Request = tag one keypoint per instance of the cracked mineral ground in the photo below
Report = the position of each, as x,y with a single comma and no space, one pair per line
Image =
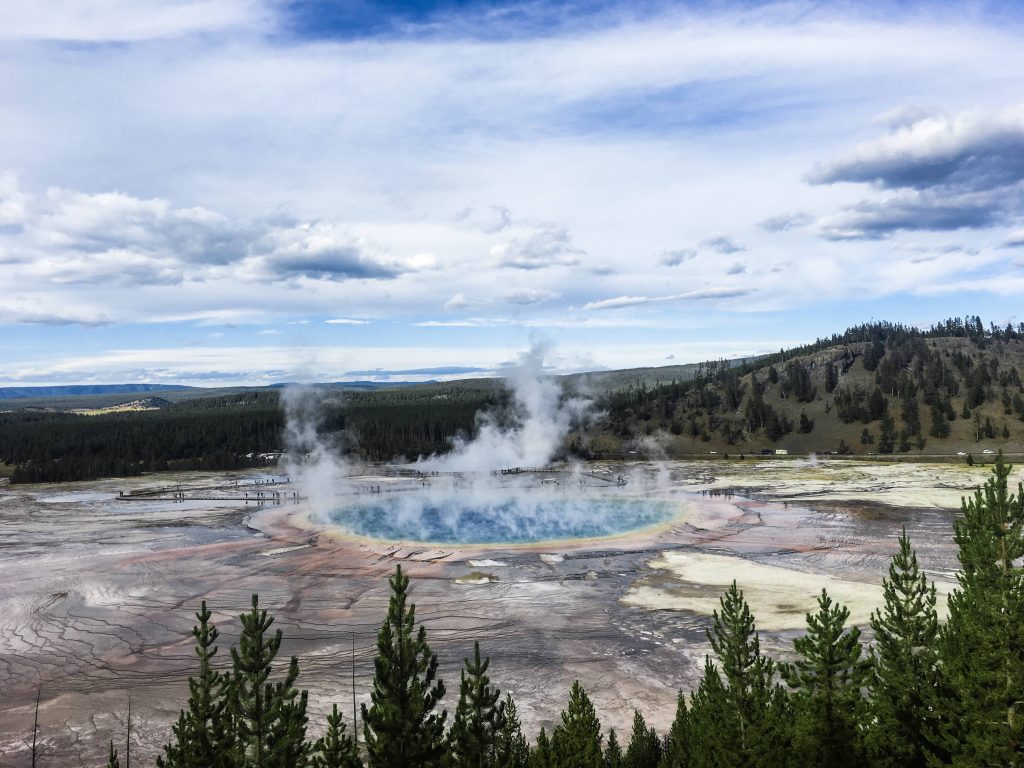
99,581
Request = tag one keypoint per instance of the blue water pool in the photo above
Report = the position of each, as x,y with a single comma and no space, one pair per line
509,519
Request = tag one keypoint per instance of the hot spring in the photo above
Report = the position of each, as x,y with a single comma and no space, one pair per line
502,518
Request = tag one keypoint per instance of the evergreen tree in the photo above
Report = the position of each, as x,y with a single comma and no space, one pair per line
478,716
288,745
887,435
940,424
401,728
710,723
827,678
677,746
542,756
904,672
644,749
748,674
774,737
203,735
981,648
335,749
269,717
806,423
112,761
511,749
576,742
612,751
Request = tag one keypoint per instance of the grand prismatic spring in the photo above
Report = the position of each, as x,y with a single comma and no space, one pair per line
608,576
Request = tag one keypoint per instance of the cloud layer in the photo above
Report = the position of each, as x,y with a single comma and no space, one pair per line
619,177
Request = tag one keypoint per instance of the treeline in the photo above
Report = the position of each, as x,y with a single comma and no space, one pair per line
908,388
236,431
57,447
412,421
922,694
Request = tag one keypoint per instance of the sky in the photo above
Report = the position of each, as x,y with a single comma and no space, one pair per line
221,192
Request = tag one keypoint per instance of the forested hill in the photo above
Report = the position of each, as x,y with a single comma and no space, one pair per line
877,388
874,389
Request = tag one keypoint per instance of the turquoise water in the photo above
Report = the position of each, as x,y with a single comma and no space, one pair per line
506,519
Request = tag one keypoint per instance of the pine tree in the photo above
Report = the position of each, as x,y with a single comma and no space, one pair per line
112,761
827,678
478,716
677,746
981,647
203,735
710,721
288,745
612,751
269,717
748,674
774,738
400,727
541,756
904,663
644,749
511,749
335,749
576,743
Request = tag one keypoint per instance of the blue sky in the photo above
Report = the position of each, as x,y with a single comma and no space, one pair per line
250,191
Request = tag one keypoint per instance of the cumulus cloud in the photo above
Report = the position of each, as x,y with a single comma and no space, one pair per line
72,237
723,244
875,220
547,247
320,251
940,173
460,301
968,152
786,222
633,301
677,257
1015,239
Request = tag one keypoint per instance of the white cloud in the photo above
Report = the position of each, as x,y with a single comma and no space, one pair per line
1014,239
206,172
620,302
347,321
527,297
547,247
122,20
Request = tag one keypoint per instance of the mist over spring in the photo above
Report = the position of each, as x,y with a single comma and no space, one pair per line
508,518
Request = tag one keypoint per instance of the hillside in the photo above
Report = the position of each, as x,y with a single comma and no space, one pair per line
878,388
875,389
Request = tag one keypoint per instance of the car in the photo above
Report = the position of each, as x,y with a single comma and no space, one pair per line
988,450
961,453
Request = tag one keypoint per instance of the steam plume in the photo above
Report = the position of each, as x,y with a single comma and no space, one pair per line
541,420
316,465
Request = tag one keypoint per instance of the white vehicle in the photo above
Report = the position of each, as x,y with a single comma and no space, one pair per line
961,453
988,450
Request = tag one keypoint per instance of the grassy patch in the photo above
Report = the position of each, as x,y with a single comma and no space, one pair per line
6,470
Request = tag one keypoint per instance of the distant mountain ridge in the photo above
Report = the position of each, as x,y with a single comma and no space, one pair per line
74,390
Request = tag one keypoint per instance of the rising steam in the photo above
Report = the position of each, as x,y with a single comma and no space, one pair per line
540,421
315,464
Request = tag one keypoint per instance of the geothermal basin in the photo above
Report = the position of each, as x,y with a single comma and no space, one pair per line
496,516
559,576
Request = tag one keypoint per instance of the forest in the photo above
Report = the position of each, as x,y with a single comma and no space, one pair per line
922,692
877,388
